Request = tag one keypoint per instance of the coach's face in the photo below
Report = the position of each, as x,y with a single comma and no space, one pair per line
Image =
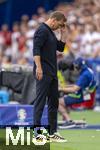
58,24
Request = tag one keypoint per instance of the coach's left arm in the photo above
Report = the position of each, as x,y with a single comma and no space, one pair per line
63,38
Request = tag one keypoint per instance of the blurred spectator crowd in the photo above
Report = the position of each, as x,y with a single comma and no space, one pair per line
83,29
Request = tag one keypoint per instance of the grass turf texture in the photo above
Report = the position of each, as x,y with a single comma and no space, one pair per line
77,139
90,116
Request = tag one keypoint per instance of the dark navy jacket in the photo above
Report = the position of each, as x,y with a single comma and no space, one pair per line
45,45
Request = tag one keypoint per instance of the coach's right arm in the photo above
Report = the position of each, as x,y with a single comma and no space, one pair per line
39,40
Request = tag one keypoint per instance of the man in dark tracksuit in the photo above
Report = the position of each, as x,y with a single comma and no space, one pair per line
45,69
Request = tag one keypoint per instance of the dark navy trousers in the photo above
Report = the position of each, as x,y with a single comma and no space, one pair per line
47,87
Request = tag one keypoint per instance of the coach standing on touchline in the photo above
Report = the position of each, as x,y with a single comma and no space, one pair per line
45,70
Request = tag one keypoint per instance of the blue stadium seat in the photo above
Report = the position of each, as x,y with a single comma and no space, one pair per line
4,97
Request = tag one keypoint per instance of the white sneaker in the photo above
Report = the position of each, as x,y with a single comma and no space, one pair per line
39,140
56,137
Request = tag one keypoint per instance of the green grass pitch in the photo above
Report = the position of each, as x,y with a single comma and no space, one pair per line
81,139
77,139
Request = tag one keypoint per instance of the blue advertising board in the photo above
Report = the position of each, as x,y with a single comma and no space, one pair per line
18,115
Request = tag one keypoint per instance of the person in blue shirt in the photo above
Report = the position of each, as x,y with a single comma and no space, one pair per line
78,92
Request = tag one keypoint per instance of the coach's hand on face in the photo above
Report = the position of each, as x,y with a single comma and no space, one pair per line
63,32
39,73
